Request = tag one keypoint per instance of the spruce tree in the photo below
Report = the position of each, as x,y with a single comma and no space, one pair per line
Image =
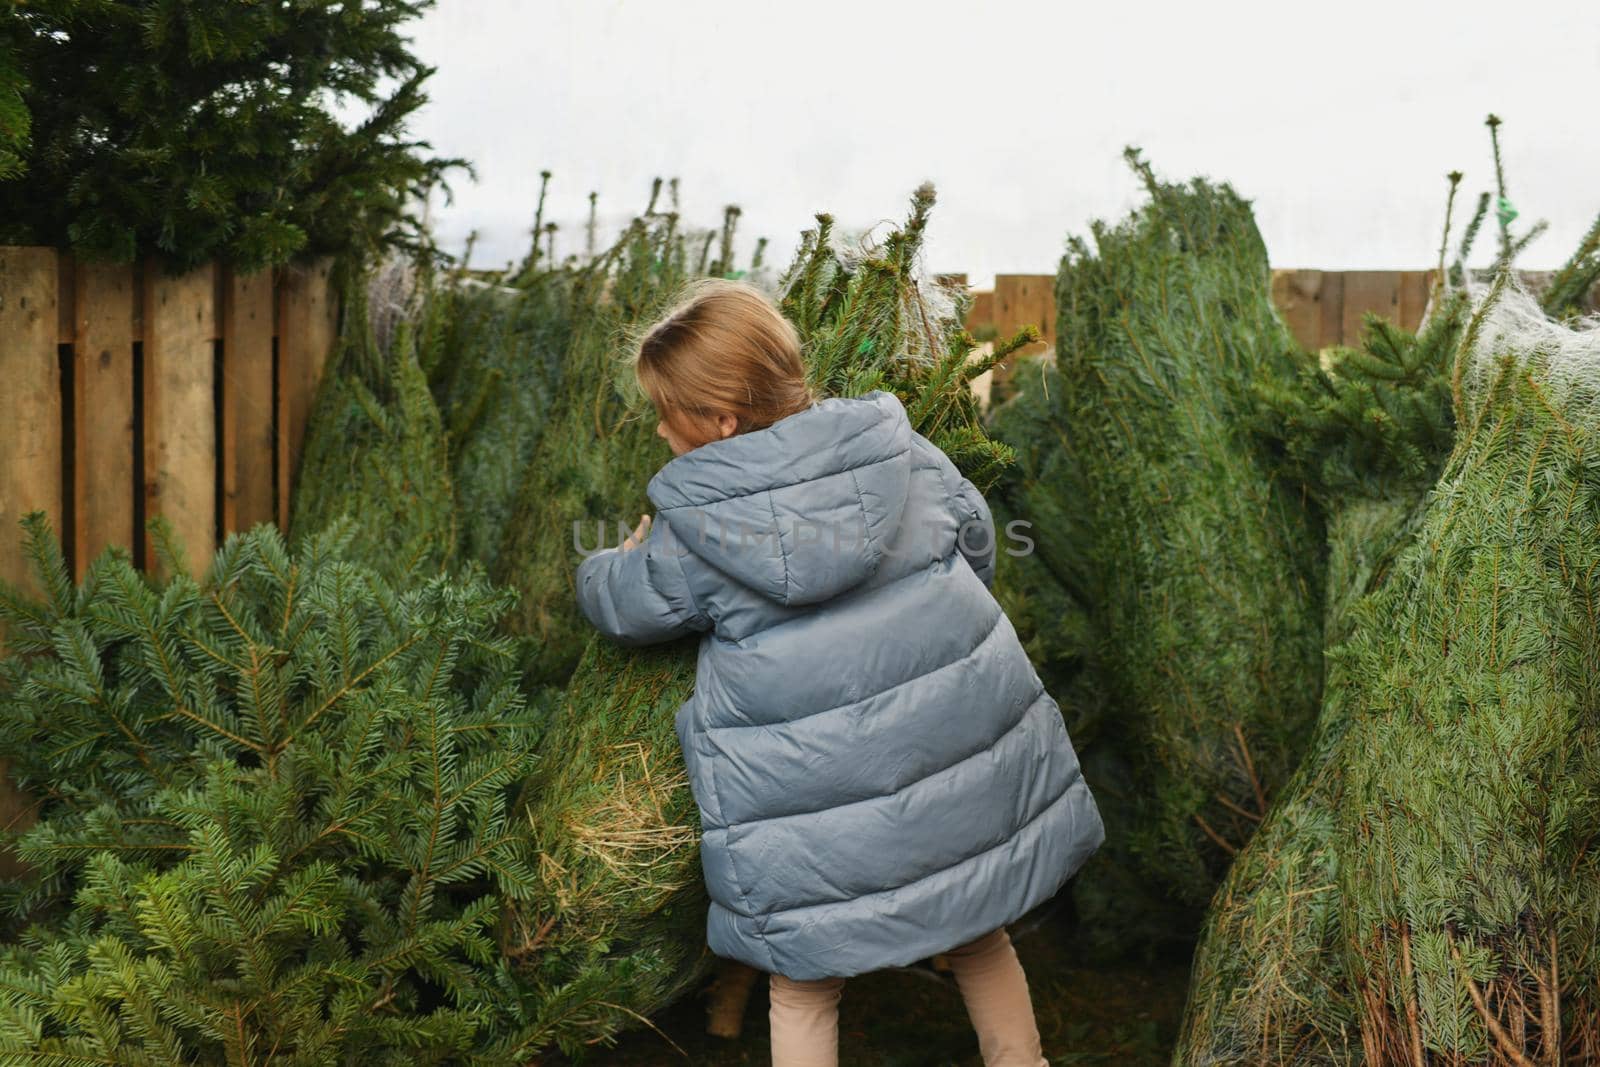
276,821
1047,598
1199,567
376,450
14,118
1466,877
208,130
595,450
1366,435
495,379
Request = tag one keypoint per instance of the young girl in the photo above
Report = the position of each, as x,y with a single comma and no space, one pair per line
881,777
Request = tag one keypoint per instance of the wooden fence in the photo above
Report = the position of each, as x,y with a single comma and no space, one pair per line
127,392
1324,307
1320,307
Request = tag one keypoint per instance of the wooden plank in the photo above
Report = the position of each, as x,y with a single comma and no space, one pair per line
1330,310
1298,295
102,385
307,319
981,313
66,301
1415,288
30,402
246,400
1023,300
1045,301
180,446
30,446
1368,292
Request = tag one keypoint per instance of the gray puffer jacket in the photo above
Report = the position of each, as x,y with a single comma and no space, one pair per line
880,774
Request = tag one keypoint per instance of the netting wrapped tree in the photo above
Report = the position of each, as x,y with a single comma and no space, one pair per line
495,373
1044,593
1366,435
1469,883
504,351
376,452
618,927
1199,568
594,452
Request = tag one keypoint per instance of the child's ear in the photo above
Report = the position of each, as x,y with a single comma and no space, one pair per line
726,425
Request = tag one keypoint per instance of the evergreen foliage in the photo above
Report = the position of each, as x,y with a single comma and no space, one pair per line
14,118
615,928
868,321
1198,566
1573,286
500,364
594,451
1366,435
1467,880
375,448
207,130
1045,598
276,822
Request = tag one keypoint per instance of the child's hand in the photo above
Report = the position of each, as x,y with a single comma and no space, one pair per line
635,539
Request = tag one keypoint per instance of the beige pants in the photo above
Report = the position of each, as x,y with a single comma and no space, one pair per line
805,1015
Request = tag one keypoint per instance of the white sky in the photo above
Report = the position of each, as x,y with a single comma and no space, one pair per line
1338,120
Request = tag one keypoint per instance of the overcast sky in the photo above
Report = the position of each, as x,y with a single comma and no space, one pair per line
1339,121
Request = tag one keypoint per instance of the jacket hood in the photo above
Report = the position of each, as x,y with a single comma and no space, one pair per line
801,510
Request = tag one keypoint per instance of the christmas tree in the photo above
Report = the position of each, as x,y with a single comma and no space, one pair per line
210,130
275,822
1366,435
1465,874
375,449
1159,514
499,366
594,450
1045,595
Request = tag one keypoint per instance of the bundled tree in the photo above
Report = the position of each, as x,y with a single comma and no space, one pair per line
198,131
375,449
495,377
1366,435
275,822
1045,596
617,927
427,416
494,390
1464,830
1198,567
593,453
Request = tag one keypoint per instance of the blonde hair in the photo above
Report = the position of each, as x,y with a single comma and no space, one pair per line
723,349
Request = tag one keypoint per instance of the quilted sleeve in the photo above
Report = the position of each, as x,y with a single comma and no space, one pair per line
975,532
640,597
975,537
